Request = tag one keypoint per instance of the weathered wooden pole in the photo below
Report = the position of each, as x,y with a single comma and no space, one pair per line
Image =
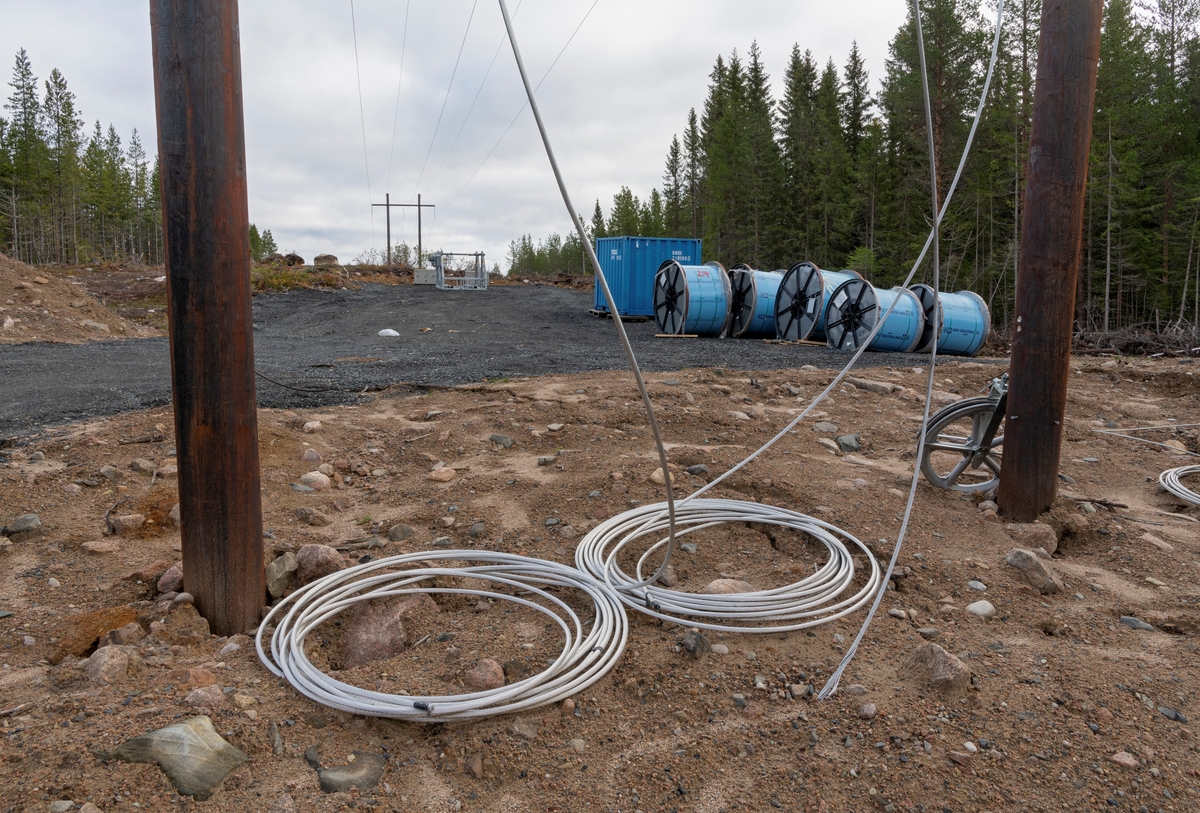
201,146
1052,225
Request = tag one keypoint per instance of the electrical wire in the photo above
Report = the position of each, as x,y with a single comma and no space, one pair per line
445,99
589,651
362,118
561,51
1171,481
399,83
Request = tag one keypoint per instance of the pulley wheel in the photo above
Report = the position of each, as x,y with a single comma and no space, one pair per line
853,312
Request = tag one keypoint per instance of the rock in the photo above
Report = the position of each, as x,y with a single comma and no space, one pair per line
568,532
316,561
100,546
698,470
311,426
111,472
168,471
311,516
983,609
576,744
185,598
669,577
1033,535
53,582
555,427
280,573
485,675
825,427
363,773
78,633
446,522
8,323
867,711
206,698
128,635
1125,759
174,517
444,474
727,587
546,459
284,804
325,259
172,580
523,727
935,667
848,443
474,766
929,633
148,573
113,664
896,612
567,709
502,440
477,530
192,676
316,480
126,523
856,690
988,505
1164,546
191,753
1171,714
377,631
311,455
27,526
60,806
1037,572
826,443
401,532
977,585
1136,623
695,643
658,477
99,327
442,542
720,649
143,466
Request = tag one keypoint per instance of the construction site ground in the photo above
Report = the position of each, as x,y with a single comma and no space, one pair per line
1068,707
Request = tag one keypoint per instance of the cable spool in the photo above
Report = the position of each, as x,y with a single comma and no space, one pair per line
587,655
1170,480
817,599
803,299
855,308
692,299
964,317
752,303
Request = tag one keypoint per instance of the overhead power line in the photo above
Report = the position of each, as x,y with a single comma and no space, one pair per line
396,115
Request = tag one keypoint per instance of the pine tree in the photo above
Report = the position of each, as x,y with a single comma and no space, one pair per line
673,178
625,219
797,138
598,227
693,174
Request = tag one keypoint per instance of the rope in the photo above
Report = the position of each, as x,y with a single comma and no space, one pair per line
445,98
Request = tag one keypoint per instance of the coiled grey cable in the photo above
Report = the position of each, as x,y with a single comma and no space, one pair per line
588,653
1170,480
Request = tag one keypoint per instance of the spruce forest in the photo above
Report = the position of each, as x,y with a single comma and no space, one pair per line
836,169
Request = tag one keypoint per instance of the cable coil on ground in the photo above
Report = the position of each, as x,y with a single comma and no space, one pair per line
817,599
1170,480
588,653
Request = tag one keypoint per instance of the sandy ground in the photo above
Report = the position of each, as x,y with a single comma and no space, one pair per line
1059,685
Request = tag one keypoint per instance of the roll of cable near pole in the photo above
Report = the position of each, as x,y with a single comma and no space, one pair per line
1170,480
587,654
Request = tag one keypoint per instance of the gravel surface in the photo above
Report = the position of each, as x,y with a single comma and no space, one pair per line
328,341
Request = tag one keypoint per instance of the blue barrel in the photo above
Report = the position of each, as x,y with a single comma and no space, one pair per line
964,317
691,298
856,307
803,298
752,309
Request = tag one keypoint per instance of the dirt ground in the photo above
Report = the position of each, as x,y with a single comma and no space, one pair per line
1059,684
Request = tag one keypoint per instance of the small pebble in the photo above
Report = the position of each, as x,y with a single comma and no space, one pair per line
720,649
29,640
970,747
867,711
983,609
185,598
53,582
977,585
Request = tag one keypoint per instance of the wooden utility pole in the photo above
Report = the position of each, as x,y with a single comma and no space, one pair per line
1051,230
388,206
201,146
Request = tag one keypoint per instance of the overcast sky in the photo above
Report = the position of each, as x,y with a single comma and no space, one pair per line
621,89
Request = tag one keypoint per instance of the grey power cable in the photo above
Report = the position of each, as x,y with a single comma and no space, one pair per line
362,117
608,297
399,83
1171,481
589,650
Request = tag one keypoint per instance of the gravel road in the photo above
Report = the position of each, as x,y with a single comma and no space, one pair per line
328,340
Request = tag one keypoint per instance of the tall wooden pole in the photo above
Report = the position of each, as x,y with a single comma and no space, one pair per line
201,146
1051,228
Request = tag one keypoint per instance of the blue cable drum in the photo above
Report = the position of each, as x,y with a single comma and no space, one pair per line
692,298
803,298
856,307
752,308
964,317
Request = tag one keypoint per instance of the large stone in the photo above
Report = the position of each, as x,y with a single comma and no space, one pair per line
377,631
27,526
172,580
280,573
143,466
206,698
78,633
363,773
1033,535
442,475
99,546
191,753
325,259
485,675
315,561
113,664
127,635
1037,572
932,666
400,532
316,480
126,523
727,587
311,516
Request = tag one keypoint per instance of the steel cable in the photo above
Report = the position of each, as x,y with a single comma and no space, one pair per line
1171,481
589,651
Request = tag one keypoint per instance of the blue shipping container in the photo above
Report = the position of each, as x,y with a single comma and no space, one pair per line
629,265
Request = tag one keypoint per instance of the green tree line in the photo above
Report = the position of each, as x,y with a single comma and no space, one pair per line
833,169
67,196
